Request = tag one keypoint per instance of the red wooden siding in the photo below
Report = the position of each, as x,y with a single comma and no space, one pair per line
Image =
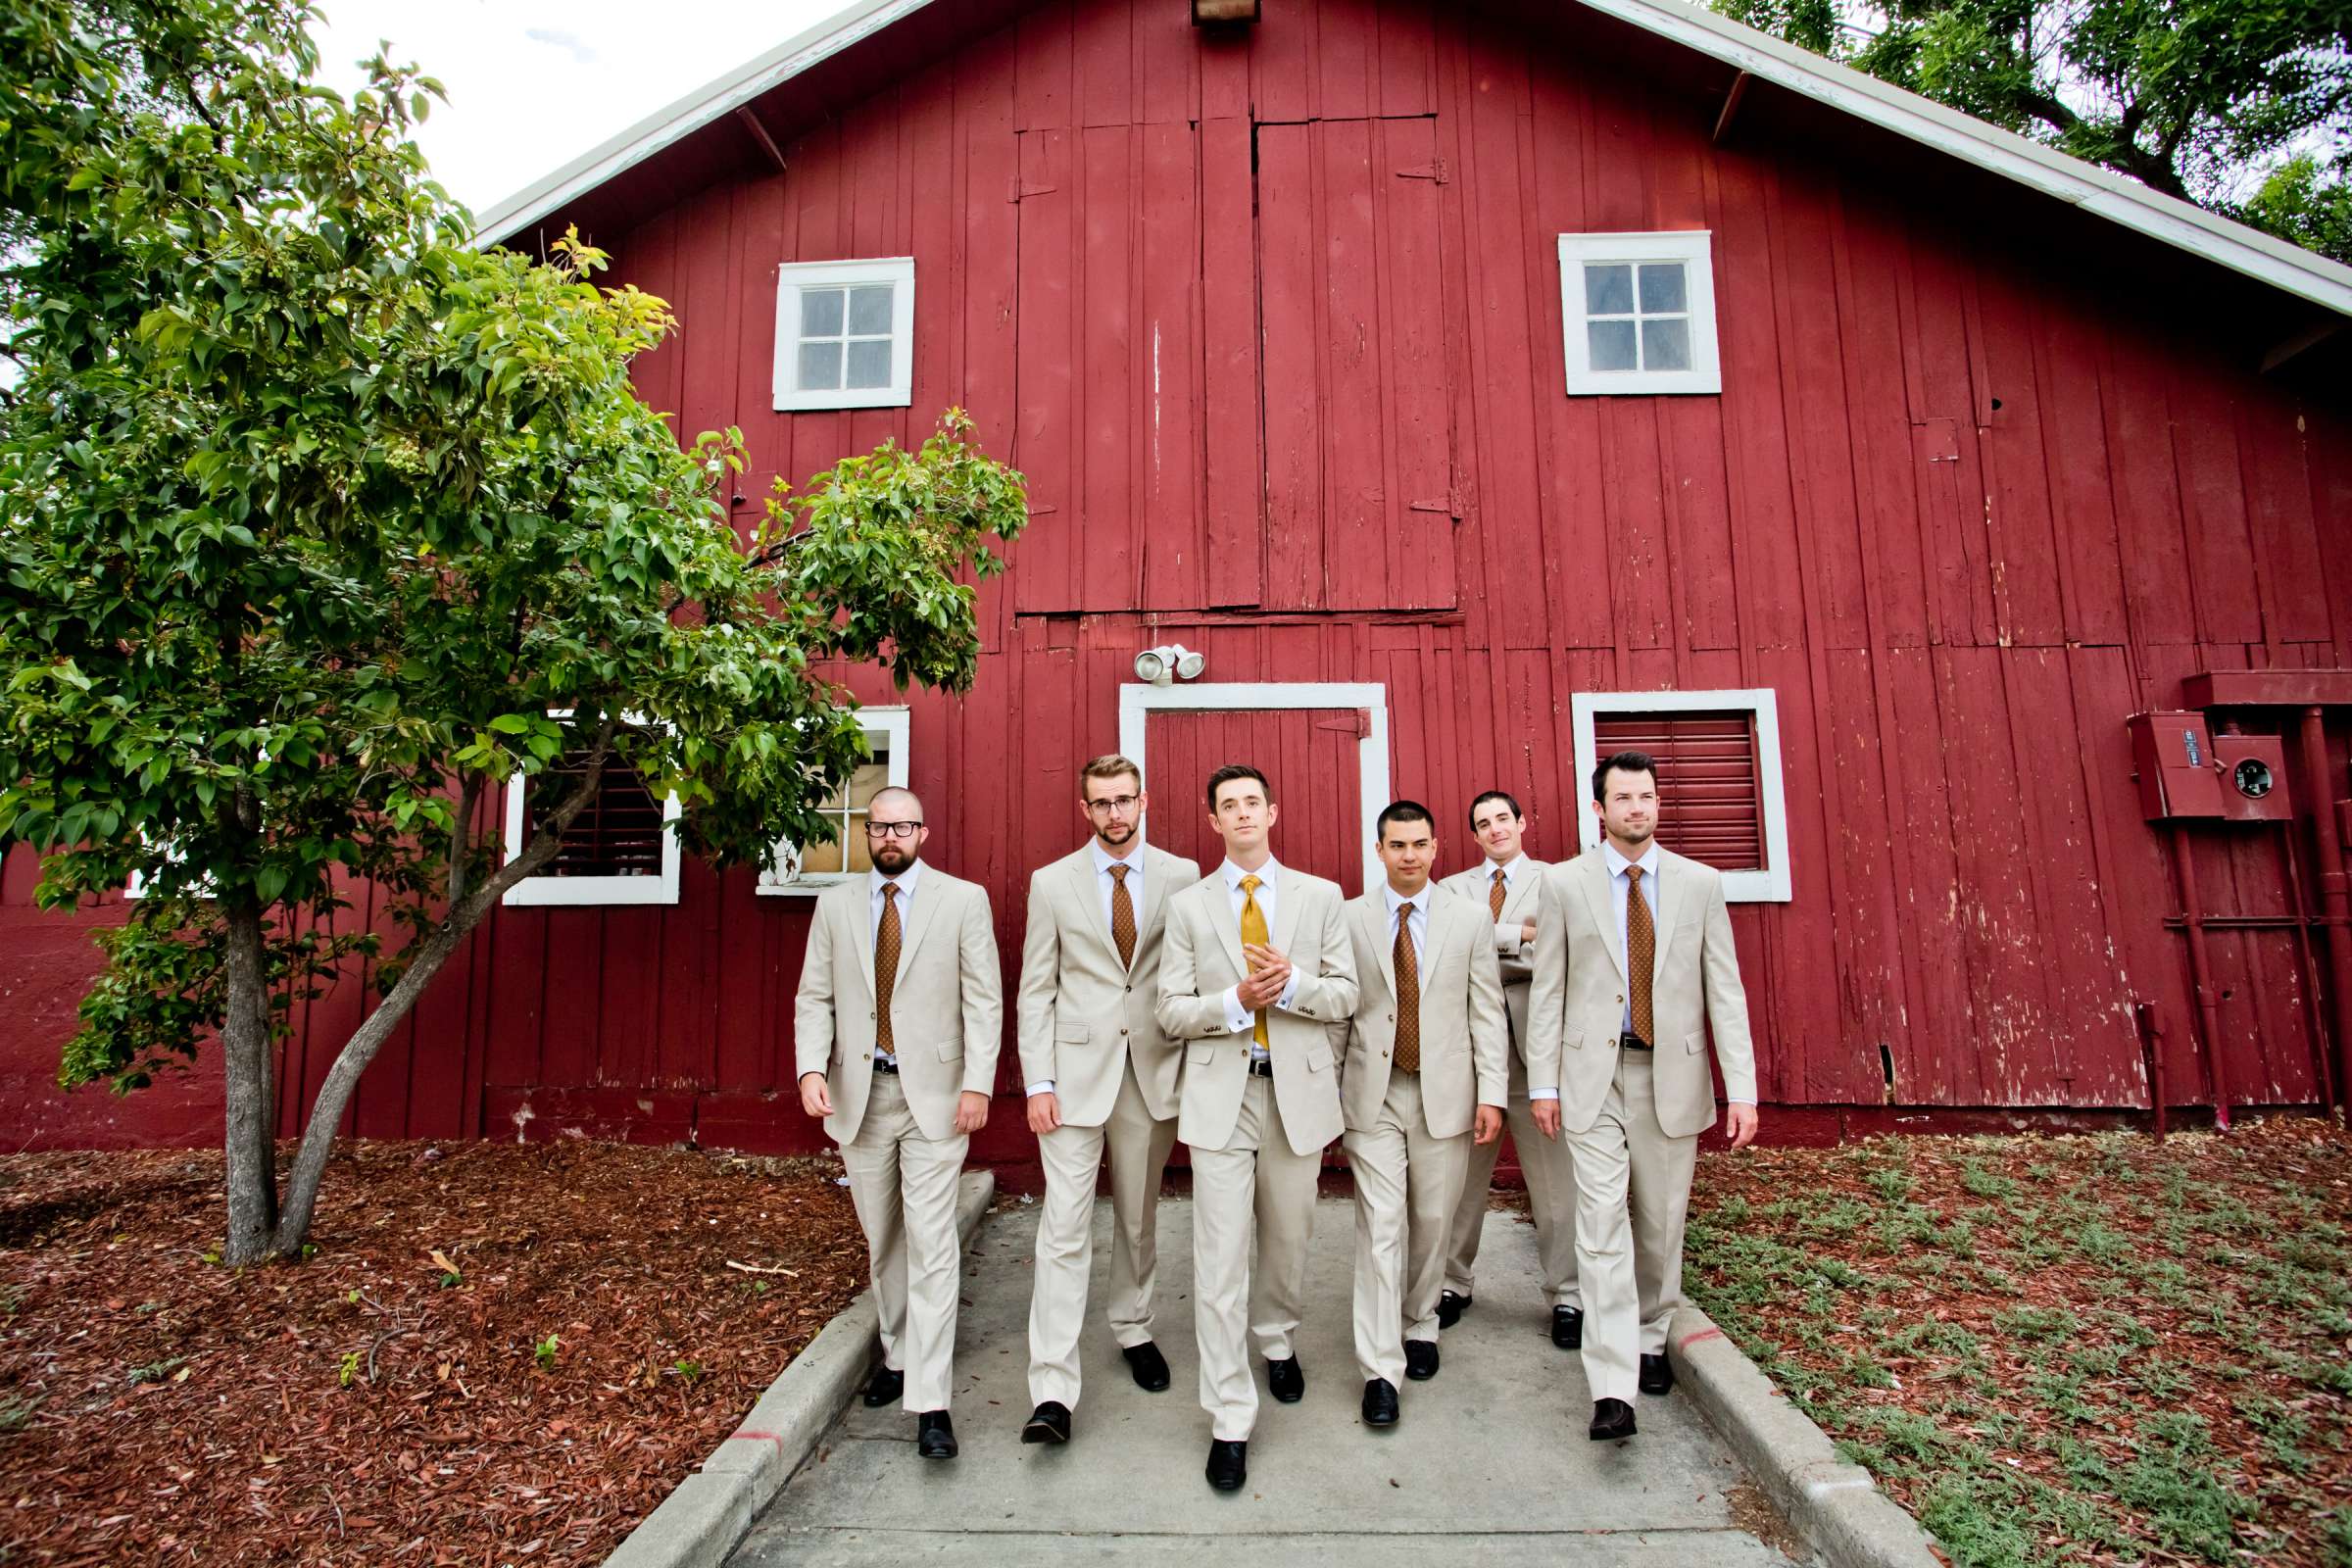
1308,755
1273,326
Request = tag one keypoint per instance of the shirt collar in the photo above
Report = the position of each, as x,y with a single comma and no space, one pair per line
1618,863
1233,873
1397,901
1105,861
1510,869
905,881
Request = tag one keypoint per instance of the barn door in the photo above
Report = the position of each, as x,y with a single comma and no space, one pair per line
1310,757
1360,495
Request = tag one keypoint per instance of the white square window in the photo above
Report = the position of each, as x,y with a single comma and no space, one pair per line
845,334
1719,799
619,850
1638,312
812,869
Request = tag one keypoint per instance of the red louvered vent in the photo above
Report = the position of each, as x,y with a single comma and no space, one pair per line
619,833
1710,794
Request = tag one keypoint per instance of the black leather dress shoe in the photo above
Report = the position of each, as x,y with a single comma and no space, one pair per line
935,1435
1657,1374
1380,1403
1420,1359
1284,1381
1049,1424
1611,1419
884,1387
1228,1464
1151,1368
1451,1308
1568,1326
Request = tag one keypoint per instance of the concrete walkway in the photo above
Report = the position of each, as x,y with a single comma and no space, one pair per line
1490,1465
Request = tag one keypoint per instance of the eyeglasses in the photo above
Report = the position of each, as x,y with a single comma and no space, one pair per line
893,830
1115,804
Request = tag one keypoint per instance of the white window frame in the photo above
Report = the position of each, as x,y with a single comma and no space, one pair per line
794,276
1693,247
894,726
545,890
136,885
1770,885
1139,701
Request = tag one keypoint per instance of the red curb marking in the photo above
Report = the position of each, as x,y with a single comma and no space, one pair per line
1703,1334
756,1437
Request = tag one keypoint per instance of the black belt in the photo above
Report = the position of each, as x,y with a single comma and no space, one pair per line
1261,1070
1628,1041
890,1068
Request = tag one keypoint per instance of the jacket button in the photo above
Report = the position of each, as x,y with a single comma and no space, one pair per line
869,1057
1131,988
1391,1017
1620,1002
1122,1031
871,1014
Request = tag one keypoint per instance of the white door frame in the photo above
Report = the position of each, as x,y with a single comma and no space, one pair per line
1137,702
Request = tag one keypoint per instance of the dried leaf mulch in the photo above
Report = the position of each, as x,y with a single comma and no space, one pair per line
497,1354
2095,1350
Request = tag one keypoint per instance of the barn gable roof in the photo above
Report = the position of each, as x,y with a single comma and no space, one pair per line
2098,191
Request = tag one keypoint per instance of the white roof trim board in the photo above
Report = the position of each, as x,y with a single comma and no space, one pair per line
2303,274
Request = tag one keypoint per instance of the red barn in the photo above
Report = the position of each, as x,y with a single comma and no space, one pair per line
1476,388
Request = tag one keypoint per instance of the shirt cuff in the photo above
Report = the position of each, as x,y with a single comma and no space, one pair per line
1237,1016
1543,1094
1043,1086
1749,1103
1290,993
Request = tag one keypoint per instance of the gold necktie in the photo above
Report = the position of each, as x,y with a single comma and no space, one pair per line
1122,916
1408,995
1495,895
886,966
1253,930
1641,950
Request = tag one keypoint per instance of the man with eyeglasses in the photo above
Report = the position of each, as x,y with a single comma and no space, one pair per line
1100,1074
896,1035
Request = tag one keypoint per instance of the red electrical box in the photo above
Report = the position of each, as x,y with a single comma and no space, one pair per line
2173,754
2253,776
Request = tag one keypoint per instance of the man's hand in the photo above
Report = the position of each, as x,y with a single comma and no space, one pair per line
815,1098
1045,1112
971,1111
1527,931
1739,1123
1547,1116
1487,1126
1269,974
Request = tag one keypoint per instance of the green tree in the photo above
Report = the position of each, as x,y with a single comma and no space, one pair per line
312,520
2193,98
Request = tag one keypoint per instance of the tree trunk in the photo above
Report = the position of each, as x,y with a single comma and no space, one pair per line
245,1053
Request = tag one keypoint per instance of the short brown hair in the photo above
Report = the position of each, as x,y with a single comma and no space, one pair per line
1230,771
1111,764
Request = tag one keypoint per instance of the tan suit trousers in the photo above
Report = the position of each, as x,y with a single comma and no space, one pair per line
1543,1164
1139,1149
904,1186
1408,1185
1254,1196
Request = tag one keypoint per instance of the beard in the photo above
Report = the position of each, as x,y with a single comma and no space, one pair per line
1118,833
891,856
1636,835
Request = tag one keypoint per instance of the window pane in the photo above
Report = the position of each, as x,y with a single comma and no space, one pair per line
820,313
869,362
1611,344
1609,289
1666,344
870,308
820,859
820,366
1662,290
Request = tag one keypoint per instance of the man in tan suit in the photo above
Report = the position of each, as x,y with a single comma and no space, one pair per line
1509,886
1634,967
1422,1074
896,1035
1099,1072
1260,1098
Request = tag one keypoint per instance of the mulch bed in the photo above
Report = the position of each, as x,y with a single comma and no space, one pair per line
497,1353
2095,1350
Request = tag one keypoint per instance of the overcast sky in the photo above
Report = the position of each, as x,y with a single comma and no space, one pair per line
533,84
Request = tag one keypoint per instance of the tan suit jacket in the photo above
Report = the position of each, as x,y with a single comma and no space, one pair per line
1463,1054
1082,1013
947,1012
1202,961
1519,904
1576,1002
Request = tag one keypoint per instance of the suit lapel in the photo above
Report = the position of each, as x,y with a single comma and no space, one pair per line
1519,900
1159,869
1286,910
857,908
918,920
1602,898
1082,883
1371,918
1221,920
1670,887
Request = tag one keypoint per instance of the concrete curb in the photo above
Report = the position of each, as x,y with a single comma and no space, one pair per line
702,1522
1836,1506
